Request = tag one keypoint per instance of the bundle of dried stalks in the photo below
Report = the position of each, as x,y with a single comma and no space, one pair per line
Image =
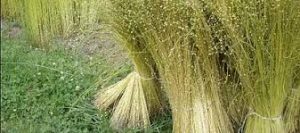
134,100
264,38
177,37
138,97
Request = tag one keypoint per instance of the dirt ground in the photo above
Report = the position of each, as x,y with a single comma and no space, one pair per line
10,29
98,42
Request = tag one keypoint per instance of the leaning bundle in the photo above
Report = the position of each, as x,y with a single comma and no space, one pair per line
138,96
175,34
264,40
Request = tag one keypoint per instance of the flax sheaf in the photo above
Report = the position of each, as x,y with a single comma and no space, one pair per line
138,97
264,40
179,42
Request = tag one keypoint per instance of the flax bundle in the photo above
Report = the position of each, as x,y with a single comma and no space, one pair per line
264,40
174,33
138,97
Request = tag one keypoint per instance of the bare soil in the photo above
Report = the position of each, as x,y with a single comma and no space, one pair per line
97,42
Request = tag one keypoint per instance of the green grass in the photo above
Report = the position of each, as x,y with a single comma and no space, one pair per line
52,91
